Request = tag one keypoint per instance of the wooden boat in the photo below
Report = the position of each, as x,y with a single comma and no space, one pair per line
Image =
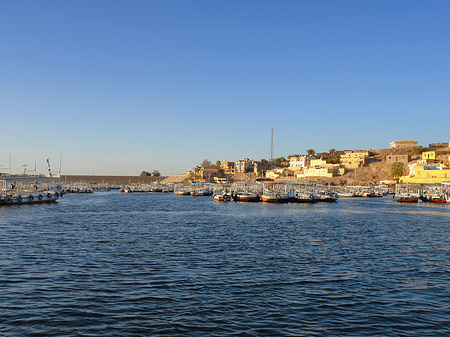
274,198
408,193
439,199
327,197
198,193
222,197
304,198
346,194
406,198
182,192
246,197
17,190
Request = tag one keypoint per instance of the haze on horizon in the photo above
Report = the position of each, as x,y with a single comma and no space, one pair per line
119,87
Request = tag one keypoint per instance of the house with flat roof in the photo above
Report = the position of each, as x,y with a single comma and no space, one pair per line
403,144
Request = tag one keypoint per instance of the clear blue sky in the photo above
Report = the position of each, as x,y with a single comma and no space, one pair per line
119,87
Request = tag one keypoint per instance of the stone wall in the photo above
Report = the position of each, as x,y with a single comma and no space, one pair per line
114,180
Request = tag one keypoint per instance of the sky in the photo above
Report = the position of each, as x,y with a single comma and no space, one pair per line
118,87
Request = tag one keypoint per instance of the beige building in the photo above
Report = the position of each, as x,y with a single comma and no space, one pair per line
279,173
317,162
399,158
438,145
261,166
330,170
403,144
228,167
354,158
320,168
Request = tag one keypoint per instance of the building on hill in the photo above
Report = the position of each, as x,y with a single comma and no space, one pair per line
328,171
320,168
427,174
398,158
262,166
203,173
242,166
403,144
279,173
228,167
437,155
317,162
209,173
429,155
299,161
438,145
354,158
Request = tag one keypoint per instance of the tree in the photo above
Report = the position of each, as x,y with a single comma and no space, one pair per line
397,170
218,164
332,151
145,174
206,163
335,160
418,150
280,160
310,152
293,155
156,173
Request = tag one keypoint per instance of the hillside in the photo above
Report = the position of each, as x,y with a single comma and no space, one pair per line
376,169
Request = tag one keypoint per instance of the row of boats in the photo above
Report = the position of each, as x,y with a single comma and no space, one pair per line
412,193
45,189
264,192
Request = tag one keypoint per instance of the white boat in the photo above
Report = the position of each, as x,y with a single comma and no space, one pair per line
407,193
303,197
222,197
327,197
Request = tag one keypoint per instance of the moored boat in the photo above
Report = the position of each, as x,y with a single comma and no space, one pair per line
406,198
222,197
304,198
273,197
246,197
17,190
327,197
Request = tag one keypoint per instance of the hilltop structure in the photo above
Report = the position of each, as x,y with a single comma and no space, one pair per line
403,144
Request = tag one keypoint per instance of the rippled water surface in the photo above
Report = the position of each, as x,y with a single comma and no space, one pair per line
159,264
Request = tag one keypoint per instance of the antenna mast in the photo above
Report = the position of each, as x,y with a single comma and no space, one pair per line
271,144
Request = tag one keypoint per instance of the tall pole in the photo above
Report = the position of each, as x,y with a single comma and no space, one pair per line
271,144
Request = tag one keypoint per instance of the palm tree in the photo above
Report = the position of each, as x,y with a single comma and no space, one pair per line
310,152
397,170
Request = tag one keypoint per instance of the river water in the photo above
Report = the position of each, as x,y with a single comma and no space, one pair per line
115,264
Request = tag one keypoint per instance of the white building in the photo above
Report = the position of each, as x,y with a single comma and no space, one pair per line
241,166
299,161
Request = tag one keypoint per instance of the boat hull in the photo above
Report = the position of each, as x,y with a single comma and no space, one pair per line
275,199
246,198
407,199
224,197
303,200
6,201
